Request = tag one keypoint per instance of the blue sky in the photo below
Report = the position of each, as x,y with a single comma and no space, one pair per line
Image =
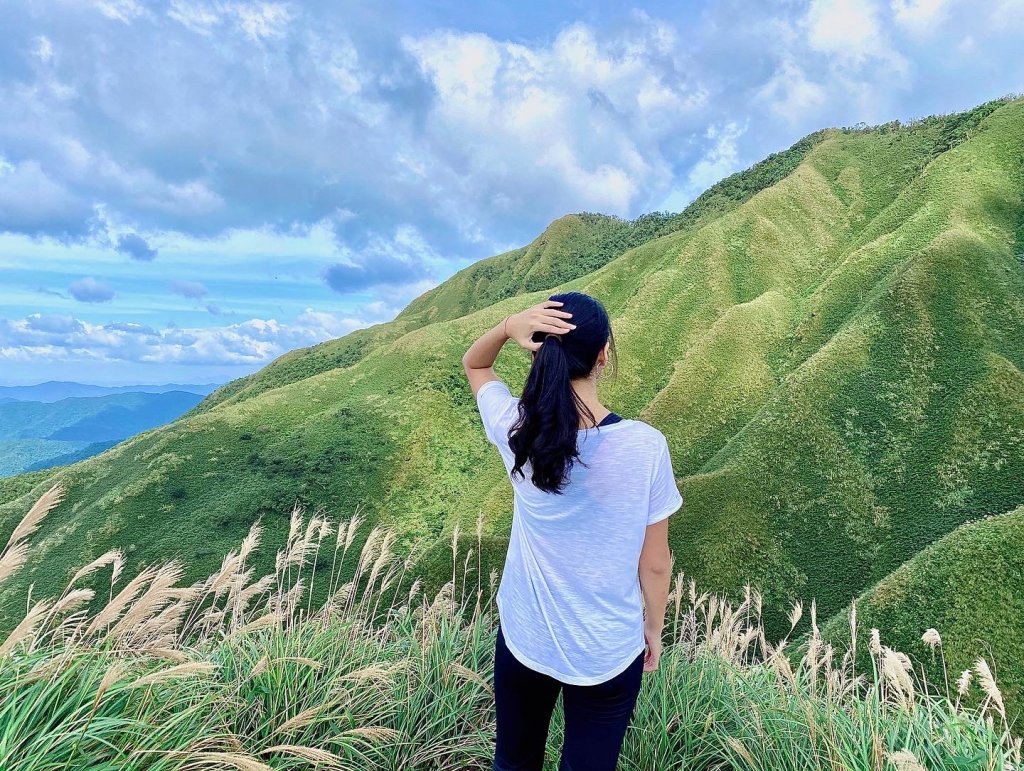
190,188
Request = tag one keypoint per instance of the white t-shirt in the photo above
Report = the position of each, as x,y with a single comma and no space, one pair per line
569,600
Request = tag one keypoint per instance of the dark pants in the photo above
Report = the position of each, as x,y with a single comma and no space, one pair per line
596,716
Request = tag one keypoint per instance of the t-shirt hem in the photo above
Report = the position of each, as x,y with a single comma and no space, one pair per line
562,677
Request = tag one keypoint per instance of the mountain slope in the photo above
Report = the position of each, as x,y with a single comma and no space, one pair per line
969,586
570,247
36,434
835,359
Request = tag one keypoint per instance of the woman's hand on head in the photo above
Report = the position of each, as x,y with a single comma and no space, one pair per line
542,317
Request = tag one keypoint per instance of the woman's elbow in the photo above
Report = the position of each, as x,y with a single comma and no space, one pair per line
656,565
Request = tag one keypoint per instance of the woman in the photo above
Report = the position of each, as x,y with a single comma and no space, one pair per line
589,536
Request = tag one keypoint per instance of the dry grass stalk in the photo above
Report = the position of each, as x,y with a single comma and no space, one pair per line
160,592
12,560
741,750
468,674
415,589
931,638
309,754
190,669
371,672
795,614
875,645
208,761
15,553
25,630
963,683
852,619
114,673
71,601
306,662
904,760
383,557
993,696
170,654
260,667
264,621
301,720
351,528
113,609
375,734
896,670
102,561
31,521
251,541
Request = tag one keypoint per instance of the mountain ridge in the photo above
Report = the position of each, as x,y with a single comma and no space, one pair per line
55,390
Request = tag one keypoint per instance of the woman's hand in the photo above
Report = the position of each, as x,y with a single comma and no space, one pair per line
543,317
653,654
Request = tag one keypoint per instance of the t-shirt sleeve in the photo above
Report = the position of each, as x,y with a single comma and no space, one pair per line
665,498
498,410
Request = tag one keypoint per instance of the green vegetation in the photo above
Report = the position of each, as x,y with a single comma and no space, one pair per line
970,587
569,248
17,455
239,672
36,435
834,353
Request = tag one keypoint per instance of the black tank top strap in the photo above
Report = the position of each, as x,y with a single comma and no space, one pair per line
610,418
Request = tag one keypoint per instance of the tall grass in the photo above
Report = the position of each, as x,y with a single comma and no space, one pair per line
243,672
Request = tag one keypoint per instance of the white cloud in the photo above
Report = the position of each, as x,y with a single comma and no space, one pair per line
920,17
404,259
852,32
792,95
720,160
582,121
1007,15
44,49
91,290
263,20
849,28
198,17
120,10
259,20
253,342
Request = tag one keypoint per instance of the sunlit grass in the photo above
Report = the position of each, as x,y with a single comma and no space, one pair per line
240,671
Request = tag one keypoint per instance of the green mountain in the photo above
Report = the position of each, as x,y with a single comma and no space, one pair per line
970,586
42,434
832,342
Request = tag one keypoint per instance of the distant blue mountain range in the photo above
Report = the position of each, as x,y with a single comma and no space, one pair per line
40,428
55,390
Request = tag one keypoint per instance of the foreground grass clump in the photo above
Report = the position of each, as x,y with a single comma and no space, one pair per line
240,672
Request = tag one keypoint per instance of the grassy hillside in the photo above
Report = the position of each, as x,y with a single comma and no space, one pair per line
237,671
835,359
570,247
969,586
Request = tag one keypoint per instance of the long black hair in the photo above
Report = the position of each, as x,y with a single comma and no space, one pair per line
549,410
